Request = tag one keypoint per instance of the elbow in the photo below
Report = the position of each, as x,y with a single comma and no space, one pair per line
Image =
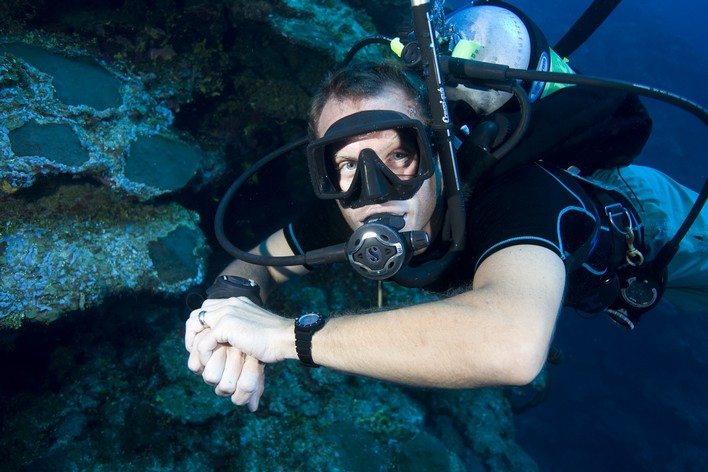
524,352
513,367
524,363
523,376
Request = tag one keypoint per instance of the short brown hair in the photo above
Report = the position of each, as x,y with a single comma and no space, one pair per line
367,79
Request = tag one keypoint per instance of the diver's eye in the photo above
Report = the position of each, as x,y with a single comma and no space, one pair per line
347,166
402,162
400,156
346,169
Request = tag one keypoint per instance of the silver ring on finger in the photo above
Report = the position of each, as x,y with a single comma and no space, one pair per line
201,319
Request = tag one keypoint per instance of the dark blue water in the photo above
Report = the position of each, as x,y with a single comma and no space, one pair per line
634,401
657,43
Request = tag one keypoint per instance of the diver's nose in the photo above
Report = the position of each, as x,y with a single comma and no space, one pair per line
374,186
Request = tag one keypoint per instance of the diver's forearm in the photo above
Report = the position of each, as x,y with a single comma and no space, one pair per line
267,277
443,344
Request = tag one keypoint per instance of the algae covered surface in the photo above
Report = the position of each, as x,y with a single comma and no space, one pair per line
71,247
110,390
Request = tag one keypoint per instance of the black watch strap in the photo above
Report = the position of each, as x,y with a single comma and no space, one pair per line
303,346
305,327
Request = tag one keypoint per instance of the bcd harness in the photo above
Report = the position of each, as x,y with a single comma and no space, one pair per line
628,287
583,129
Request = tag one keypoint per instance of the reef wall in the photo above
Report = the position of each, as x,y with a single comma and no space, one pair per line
84,152
153,108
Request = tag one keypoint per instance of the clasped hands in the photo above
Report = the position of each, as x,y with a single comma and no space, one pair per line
233,345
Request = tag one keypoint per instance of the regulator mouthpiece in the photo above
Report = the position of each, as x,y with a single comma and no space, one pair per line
377,250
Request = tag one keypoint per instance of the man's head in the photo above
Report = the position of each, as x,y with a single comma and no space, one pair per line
397,154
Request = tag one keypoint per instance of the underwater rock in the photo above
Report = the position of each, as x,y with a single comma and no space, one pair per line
77,244
127,376
160,162
77,81
64,113
330,26
479,423
487,421
353,423
68,250
57,140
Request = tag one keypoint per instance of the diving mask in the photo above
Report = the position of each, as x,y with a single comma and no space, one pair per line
360,178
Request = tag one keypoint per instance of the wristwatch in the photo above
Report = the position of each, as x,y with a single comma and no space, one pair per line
305,327
226,286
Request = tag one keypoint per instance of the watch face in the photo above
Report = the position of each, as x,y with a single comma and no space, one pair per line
308,320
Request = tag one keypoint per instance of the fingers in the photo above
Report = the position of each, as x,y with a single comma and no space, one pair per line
204,346
193,326
212,355
251,384
215,367
194,363
198,356
241,377
256,397
207,316
232,370
200,343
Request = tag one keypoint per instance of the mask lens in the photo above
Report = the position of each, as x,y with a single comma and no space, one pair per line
397,150
370,157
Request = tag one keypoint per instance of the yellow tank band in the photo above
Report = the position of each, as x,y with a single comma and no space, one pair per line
466,49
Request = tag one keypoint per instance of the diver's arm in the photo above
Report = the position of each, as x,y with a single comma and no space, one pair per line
267,277
232,373
496,334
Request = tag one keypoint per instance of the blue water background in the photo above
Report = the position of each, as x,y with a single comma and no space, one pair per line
633,401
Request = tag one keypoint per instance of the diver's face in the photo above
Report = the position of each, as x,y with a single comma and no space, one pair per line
391,148
396,149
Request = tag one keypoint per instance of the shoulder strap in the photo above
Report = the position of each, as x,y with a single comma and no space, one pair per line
585,26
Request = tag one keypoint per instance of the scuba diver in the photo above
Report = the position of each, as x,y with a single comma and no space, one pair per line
502,227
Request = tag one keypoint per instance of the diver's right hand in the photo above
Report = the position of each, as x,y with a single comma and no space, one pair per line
235,375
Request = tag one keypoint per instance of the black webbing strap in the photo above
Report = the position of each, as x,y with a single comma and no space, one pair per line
585,26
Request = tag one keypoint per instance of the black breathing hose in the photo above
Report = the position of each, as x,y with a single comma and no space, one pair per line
324,255
525,118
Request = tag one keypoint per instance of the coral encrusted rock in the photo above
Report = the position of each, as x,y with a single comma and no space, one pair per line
65,113
77,244
66,244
